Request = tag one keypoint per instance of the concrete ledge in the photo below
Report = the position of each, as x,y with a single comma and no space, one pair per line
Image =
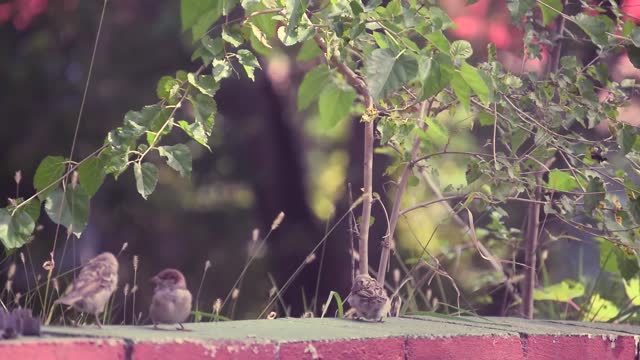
409,338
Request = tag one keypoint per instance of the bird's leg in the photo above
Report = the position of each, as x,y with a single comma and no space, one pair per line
98,323
181,327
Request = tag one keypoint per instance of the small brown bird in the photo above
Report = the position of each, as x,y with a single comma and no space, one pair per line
91,290
369,298
171,303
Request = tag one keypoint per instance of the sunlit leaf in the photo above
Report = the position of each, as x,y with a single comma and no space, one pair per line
178,157
146,178
562,181
562,291
248,62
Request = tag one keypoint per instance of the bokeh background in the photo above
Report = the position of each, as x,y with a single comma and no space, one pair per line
266,156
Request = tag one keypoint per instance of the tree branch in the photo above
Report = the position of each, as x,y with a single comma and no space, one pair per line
402,185
361,88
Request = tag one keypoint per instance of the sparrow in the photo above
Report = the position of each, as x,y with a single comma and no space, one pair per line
369,298
91,290
171,302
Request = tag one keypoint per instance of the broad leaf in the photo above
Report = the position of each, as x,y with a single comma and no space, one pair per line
178,157
92,174
476,82
146,178
461,49
15,230
335,104
195,131
206,84
69,208
294,9
312,85
48,173
596,27
550,9
461,89
387,72
249,62
562,181
204,109
595,194
562,291
433,79
199,15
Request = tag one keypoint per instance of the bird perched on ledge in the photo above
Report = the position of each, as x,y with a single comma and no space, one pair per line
369,298
91,290
171,302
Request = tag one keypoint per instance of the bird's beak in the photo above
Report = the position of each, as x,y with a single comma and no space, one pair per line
154,280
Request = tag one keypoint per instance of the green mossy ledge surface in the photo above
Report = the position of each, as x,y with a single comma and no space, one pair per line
295,330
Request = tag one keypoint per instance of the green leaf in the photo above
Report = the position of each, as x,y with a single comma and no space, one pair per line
476,82
48,172
335,104
206,84
221,69
462,90
115,161
627,136
249,62
294,9
596,27
178,157
146,178
440,41
91,174
433,79
232,36
15,230
413,181
195,131
473,172
167,89
387,72
312,85
595,190
518,8
632,288
461,49
308,51
518,137
562,291
616,261
199,15
204,109
550,10
601,309
486,119
69,209
562,181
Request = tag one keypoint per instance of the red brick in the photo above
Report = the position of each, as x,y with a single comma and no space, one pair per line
580,347
191,350
465,347
80,349
387,349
